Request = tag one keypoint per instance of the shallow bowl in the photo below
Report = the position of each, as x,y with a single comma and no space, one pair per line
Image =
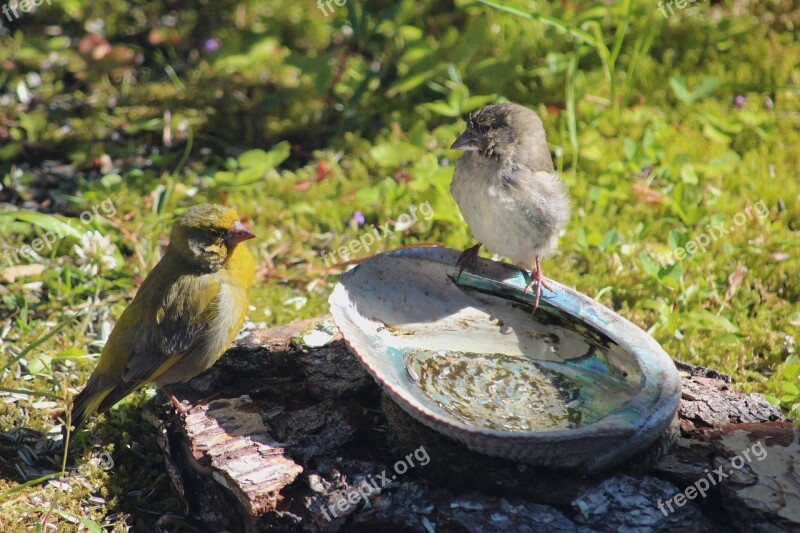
573,385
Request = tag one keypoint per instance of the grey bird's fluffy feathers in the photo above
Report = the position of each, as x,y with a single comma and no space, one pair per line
506,186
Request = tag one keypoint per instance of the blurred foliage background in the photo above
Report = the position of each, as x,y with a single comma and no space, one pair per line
318,124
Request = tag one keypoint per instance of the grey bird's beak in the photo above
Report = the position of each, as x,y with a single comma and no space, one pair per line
466,141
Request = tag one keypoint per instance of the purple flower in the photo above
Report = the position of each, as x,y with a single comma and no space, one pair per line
358,218
739,101
210,45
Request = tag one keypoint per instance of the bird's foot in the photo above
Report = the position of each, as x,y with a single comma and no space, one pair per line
468,258
538,280
177,404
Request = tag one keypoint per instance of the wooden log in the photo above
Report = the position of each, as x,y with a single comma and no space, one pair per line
286,436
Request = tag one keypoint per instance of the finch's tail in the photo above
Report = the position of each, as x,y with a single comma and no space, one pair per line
84,405
95,398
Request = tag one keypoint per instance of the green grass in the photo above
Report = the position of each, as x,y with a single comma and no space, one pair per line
660,127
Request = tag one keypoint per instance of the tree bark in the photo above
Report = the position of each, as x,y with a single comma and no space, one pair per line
287,436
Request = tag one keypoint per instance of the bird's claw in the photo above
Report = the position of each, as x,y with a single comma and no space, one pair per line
175,402
545,285
539,281
468,258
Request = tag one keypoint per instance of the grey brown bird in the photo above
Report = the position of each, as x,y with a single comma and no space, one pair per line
507,189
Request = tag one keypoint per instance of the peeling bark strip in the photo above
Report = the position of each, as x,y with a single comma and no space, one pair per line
281,433
231,438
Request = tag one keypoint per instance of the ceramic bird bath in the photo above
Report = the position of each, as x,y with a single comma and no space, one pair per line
573,385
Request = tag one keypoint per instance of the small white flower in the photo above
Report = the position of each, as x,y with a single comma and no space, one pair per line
95,253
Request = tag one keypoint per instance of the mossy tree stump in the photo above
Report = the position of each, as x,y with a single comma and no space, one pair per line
286,436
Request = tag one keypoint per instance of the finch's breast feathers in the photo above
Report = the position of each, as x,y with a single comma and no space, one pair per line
144,344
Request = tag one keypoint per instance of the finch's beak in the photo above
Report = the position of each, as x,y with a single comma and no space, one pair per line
466,141
239,233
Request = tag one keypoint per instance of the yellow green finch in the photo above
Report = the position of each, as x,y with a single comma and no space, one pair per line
184,316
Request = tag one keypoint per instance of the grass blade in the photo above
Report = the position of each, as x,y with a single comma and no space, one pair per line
38,342
42,479
549,21
50,395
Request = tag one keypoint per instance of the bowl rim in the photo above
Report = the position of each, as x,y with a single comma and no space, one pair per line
659,380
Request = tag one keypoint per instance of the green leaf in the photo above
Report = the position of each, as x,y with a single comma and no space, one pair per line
671,275
629,148
677,238
680,89
791,368
689,175
409,83
224,177
772,399
303,208
38,364
111,181
649,267
727,338
251,175
476,102
704,319
654,305
10,151
705,88
441,108
72,353
393,154
253,165
44,221
610,240
252,158
91,525
266,160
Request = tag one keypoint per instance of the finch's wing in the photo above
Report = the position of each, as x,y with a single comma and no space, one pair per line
182,319
170,314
